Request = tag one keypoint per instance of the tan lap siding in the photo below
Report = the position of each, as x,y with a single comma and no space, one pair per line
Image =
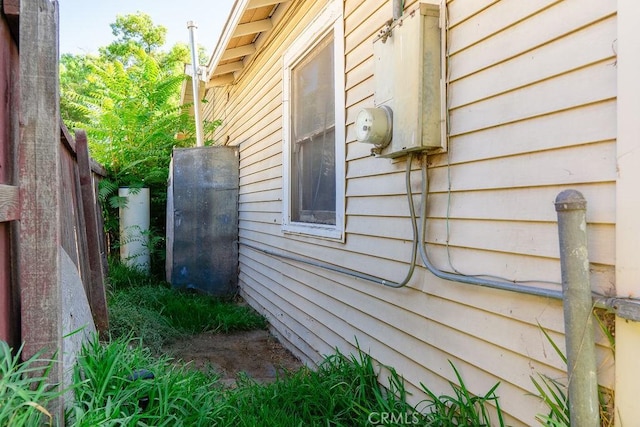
532,112
527,120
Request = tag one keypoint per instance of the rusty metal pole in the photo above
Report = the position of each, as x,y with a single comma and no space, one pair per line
571,207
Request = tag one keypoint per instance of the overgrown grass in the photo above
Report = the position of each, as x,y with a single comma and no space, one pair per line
127,382
462,408
24,390
122,276
554,393
113,389
157,313
342,391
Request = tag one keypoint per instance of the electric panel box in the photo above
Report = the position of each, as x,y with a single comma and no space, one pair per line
408,80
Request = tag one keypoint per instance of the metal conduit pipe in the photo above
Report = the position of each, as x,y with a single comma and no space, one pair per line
195,83
571,207
398,9
320,264
470,280
355,273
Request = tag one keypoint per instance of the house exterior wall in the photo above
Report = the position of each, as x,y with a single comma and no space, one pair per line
627,208
531,111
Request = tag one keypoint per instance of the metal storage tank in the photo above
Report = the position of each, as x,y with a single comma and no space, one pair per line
202,220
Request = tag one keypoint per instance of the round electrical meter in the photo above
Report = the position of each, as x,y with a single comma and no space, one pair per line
374,125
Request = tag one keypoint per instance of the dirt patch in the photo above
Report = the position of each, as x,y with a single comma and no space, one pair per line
256,353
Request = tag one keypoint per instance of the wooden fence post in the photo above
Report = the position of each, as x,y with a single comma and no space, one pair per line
39,179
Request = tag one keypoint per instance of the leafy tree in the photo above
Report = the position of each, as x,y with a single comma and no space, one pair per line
127,98
138,30
74,72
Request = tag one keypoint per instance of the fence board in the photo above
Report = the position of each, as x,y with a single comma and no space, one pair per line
39,178
96,294
71,231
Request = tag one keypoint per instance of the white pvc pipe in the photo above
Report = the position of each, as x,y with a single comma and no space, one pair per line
134,228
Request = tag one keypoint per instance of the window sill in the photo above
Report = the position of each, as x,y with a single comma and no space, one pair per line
314,230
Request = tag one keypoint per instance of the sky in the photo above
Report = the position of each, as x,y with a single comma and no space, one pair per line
84,24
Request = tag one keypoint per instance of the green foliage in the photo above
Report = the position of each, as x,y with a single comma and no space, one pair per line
74,70
134,118
110,389
126,317
342,391
138,30
114,394
129,102
127,99
461,409
554,393
24,390
122,277
158,313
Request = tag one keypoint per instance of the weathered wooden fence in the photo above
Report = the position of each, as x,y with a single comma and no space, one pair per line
82,230
9,198
48,201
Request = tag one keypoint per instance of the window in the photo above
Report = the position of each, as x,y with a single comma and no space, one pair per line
313,137
314,128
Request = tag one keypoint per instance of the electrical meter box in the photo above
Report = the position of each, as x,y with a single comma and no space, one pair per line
408,80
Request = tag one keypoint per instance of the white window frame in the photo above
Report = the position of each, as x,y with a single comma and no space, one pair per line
330,19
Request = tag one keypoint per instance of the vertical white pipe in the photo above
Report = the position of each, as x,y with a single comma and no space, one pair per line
195,81
134,228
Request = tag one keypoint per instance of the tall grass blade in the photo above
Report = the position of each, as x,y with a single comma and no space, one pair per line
557,349
24,389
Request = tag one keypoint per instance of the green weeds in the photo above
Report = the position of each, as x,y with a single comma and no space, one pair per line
342,391
127,381
121,383
554,393
115,389
157,313
463,408
24,391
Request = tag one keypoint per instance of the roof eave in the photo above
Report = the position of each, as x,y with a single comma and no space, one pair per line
235,57
235,15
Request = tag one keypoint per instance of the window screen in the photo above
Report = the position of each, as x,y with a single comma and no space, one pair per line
313,163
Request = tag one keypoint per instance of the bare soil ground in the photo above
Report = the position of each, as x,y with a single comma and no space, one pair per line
256,353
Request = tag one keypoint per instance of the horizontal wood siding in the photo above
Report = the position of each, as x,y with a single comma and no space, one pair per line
532,105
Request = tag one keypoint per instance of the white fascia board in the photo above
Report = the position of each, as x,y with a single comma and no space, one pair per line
239,6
